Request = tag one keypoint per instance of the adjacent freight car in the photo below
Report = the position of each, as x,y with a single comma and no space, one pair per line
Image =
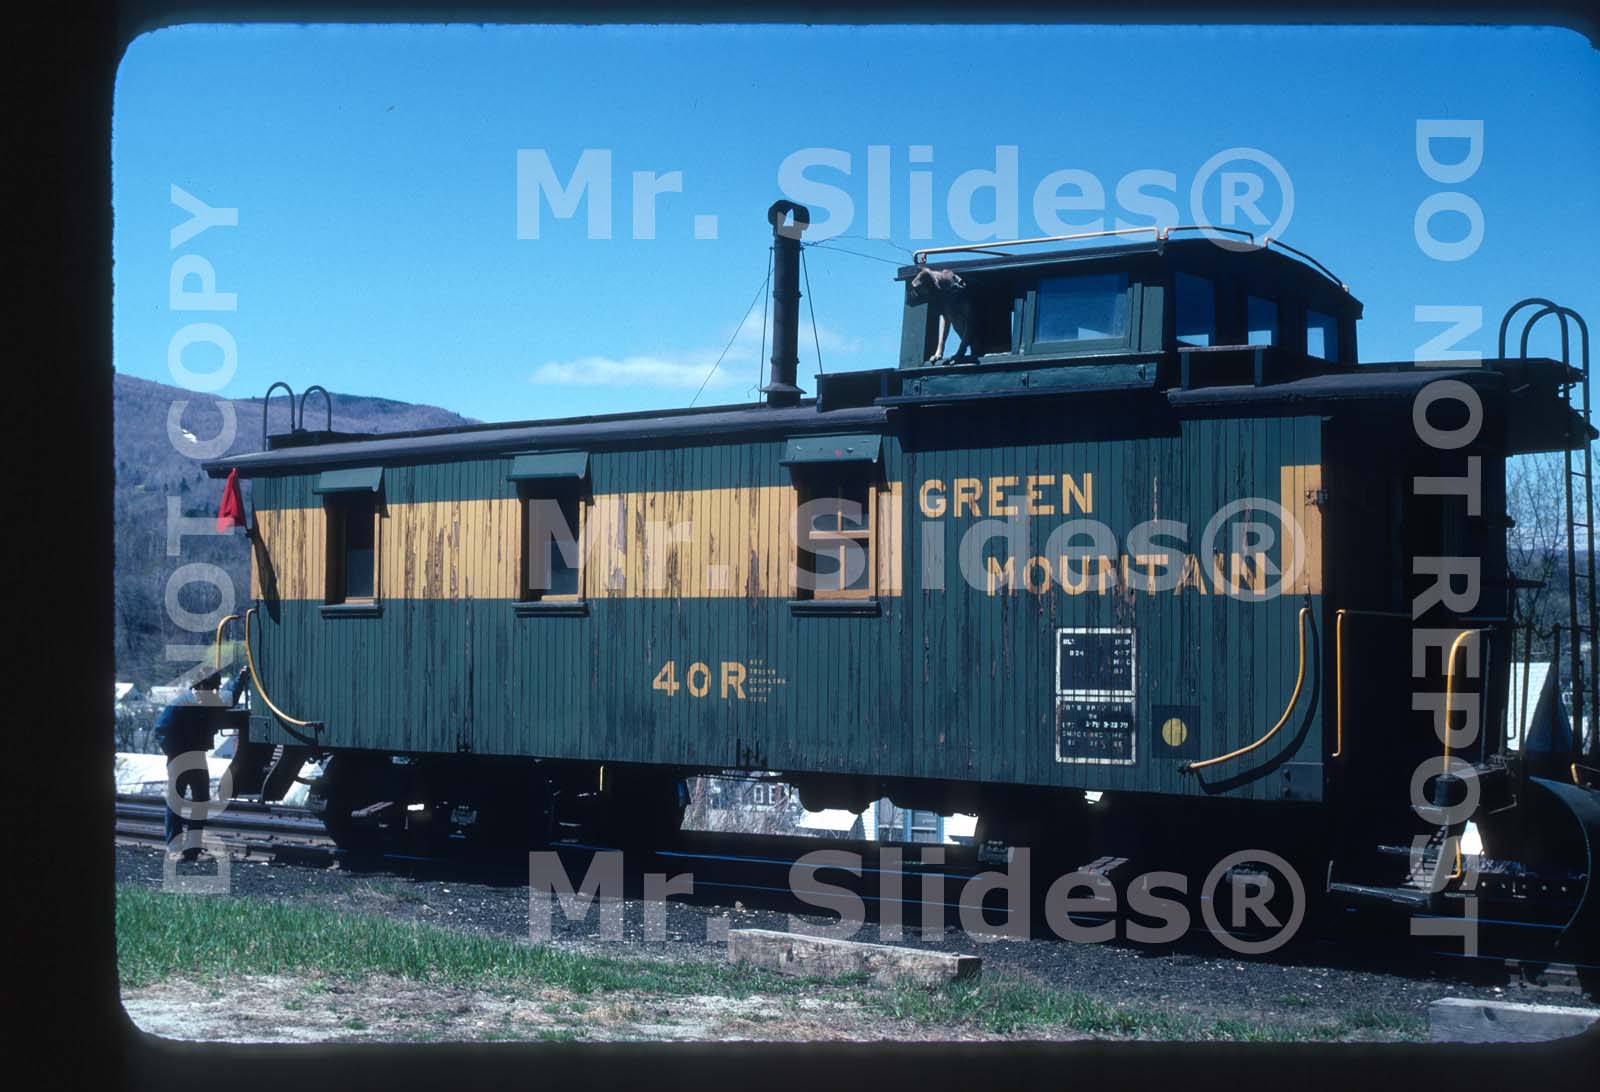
1154,533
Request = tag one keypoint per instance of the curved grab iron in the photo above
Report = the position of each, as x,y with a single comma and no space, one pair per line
266,401
327,401
1294,699
1548,307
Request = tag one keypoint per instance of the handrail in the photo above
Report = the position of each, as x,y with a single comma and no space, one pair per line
255,680
1338,667
266,402
224,622
1294,699
1450,687
1505,320
1161,235
1267,240
1566,336
1166,232
1449,694
1550,308
327,401
919,256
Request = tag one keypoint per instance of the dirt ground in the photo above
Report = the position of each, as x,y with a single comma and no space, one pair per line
1299,989
272,1008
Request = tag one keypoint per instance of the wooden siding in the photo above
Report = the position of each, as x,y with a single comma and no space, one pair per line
947,680
709,543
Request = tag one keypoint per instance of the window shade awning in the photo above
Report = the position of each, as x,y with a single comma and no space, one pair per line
550,465
859,448
363,479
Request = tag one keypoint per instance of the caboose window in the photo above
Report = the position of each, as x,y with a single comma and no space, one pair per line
1261,318
1322,336
837,529
1093,307
352,548
1196,310
553,567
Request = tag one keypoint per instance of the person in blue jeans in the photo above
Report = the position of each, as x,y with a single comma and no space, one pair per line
189,724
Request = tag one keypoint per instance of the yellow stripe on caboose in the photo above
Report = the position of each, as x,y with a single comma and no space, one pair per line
705,543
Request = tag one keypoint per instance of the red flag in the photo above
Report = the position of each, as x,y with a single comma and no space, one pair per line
231,512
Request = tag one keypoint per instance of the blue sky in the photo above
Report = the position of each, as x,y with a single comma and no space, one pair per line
375,174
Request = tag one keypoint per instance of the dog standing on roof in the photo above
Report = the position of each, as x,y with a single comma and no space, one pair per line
948,294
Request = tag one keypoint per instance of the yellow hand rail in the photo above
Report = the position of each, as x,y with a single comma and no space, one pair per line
1450,688
1449,693
255,679
220,625
1338,684
1338,667
1294,699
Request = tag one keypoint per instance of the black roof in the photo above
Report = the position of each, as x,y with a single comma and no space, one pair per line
1304,272
1362,383
618,428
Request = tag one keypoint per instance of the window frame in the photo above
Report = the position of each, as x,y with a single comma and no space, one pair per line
808,486
1211,282
1032,346
1278,310
336,513
1331,329
558,490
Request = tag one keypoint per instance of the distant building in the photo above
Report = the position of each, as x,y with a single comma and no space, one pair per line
753,804
1538,716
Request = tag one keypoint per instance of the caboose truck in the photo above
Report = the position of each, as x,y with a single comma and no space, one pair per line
500,629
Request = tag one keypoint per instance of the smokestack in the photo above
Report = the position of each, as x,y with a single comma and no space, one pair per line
788,221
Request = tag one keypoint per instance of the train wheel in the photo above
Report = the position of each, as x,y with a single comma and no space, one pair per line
638,813
354,835
346,786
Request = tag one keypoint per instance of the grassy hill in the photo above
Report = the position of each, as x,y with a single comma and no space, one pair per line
151,468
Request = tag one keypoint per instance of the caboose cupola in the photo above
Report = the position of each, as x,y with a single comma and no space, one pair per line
1164,311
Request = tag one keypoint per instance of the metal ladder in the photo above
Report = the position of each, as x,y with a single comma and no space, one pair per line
1583,611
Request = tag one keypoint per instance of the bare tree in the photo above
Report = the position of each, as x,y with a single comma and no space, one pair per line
1536,551
1536,542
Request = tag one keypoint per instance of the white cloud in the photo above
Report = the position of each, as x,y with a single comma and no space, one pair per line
688,369
646,371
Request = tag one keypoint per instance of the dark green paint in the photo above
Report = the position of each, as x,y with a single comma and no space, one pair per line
952,684
548,465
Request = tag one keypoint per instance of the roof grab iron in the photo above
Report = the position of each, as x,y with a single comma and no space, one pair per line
266,402
297,409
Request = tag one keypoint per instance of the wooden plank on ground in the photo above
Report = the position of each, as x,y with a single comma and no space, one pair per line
1463,1020
798,954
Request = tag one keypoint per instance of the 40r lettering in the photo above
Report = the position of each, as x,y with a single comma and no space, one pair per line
697,679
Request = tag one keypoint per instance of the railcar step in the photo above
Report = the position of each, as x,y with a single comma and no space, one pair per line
1368,894
1104,866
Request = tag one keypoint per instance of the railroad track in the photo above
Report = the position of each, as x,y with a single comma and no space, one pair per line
244,828
723,868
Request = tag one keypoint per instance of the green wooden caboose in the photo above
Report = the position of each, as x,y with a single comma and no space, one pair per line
1155,535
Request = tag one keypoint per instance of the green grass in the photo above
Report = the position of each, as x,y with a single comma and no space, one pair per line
1004,1005
160,935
